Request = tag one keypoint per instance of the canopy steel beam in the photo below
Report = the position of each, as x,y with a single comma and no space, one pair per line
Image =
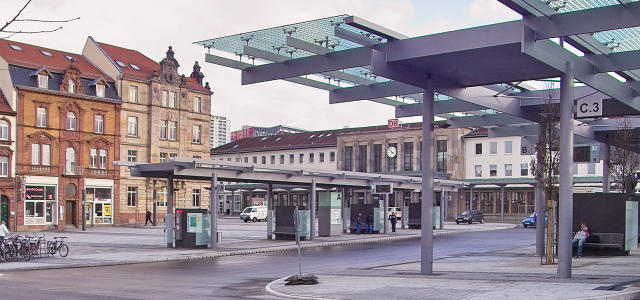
586,21
376,90
529,7
486,120
615,62
440,107
450,42
354,37
553,55
516,130
333,61
374,28
311,48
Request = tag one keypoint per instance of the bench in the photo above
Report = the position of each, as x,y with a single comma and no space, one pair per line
608,240
286,233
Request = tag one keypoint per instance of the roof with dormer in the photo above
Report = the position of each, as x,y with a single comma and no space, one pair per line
126,59
35,57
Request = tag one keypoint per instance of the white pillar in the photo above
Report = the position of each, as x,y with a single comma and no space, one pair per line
565,216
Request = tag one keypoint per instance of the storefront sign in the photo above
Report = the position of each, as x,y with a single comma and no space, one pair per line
107,210
34,193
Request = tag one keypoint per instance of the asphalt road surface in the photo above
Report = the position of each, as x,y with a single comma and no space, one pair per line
238,277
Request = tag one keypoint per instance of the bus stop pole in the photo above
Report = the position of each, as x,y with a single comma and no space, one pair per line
83,210
270,207
565,217
384,214
214,215
312,207
155,207
168,217
426,226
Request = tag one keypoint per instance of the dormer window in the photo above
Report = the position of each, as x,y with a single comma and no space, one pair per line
15,47
72,86
43,81
100,90
46,53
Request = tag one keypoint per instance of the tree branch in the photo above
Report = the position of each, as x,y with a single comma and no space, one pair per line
31,32
47,21
14,18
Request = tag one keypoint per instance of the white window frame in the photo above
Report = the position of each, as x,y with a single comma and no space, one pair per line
4,130
133,93
70,161
173,130
41,117
195,197
103,159
478,170
163,157
165,98
173,100
508,147
100,90
132,126
98,123
197,104
72,86
164,125
93,158
132,196
36,157
4,166
46,154
493,168
43,81
508,170
493,148
524,167
132,155
197,134
72,121
162,196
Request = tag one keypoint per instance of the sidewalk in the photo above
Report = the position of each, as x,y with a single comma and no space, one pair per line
509,274
103,246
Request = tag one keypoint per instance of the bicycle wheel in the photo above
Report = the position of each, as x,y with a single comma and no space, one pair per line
33,247
11,253
64,250
52,248
25,253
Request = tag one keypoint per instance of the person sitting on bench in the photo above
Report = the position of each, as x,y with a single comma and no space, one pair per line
580,237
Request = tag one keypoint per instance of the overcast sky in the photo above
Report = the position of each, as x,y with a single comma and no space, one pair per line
151,26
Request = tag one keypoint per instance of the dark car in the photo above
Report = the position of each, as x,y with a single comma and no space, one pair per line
469,216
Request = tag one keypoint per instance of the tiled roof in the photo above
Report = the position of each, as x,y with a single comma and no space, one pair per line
31,56
326,138
5,108
145,64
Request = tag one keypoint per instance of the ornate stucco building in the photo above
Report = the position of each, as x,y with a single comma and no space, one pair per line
164,115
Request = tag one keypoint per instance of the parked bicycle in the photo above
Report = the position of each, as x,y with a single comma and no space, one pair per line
58,246
34,243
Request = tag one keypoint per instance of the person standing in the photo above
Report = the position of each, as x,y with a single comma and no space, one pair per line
369,222
394,219
580,237
535,218
3,231
358,224
148,219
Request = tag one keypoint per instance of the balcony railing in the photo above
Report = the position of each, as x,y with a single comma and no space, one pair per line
72,170
41,168
99,171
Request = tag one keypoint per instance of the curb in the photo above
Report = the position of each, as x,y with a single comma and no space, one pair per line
271,291
245,252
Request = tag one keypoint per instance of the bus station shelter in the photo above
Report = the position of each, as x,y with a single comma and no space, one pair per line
217,171
476,76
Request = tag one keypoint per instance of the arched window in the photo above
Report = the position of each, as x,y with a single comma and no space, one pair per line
70,189
70,165
72,86
4,130
71,121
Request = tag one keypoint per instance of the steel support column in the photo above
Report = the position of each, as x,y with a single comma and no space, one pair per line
214,212
442,202
386,211
155,207
269,211
540,209
565,204
312,209
426,250
168,217
470,197
502,202
606,181
233,202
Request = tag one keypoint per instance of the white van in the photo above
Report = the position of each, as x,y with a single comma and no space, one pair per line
254,213
396,210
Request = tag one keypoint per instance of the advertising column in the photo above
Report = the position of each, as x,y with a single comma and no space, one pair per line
329,214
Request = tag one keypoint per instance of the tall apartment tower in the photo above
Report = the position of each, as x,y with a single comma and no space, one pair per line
219,131
164,115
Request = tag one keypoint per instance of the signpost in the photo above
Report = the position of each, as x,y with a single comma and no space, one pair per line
586,108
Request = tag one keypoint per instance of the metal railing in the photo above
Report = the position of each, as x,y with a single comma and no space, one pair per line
73,170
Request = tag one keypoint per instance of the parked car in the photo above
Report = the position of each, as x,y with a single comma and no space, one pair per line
254,213
396,210
468,216
529,221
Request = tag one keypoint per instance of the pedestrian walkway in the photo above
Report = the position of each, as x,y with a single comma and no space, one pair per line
101,246
509,274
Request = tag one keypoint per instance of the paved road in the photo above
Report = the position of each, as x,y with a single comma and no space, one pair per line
238,277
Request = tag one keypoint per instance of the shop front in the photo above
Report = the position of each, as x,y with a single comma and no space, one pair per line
40,202
99,204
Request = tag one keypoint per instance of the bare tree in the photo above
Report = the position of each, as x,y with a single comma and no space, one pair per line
545,166
623,159
15,19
